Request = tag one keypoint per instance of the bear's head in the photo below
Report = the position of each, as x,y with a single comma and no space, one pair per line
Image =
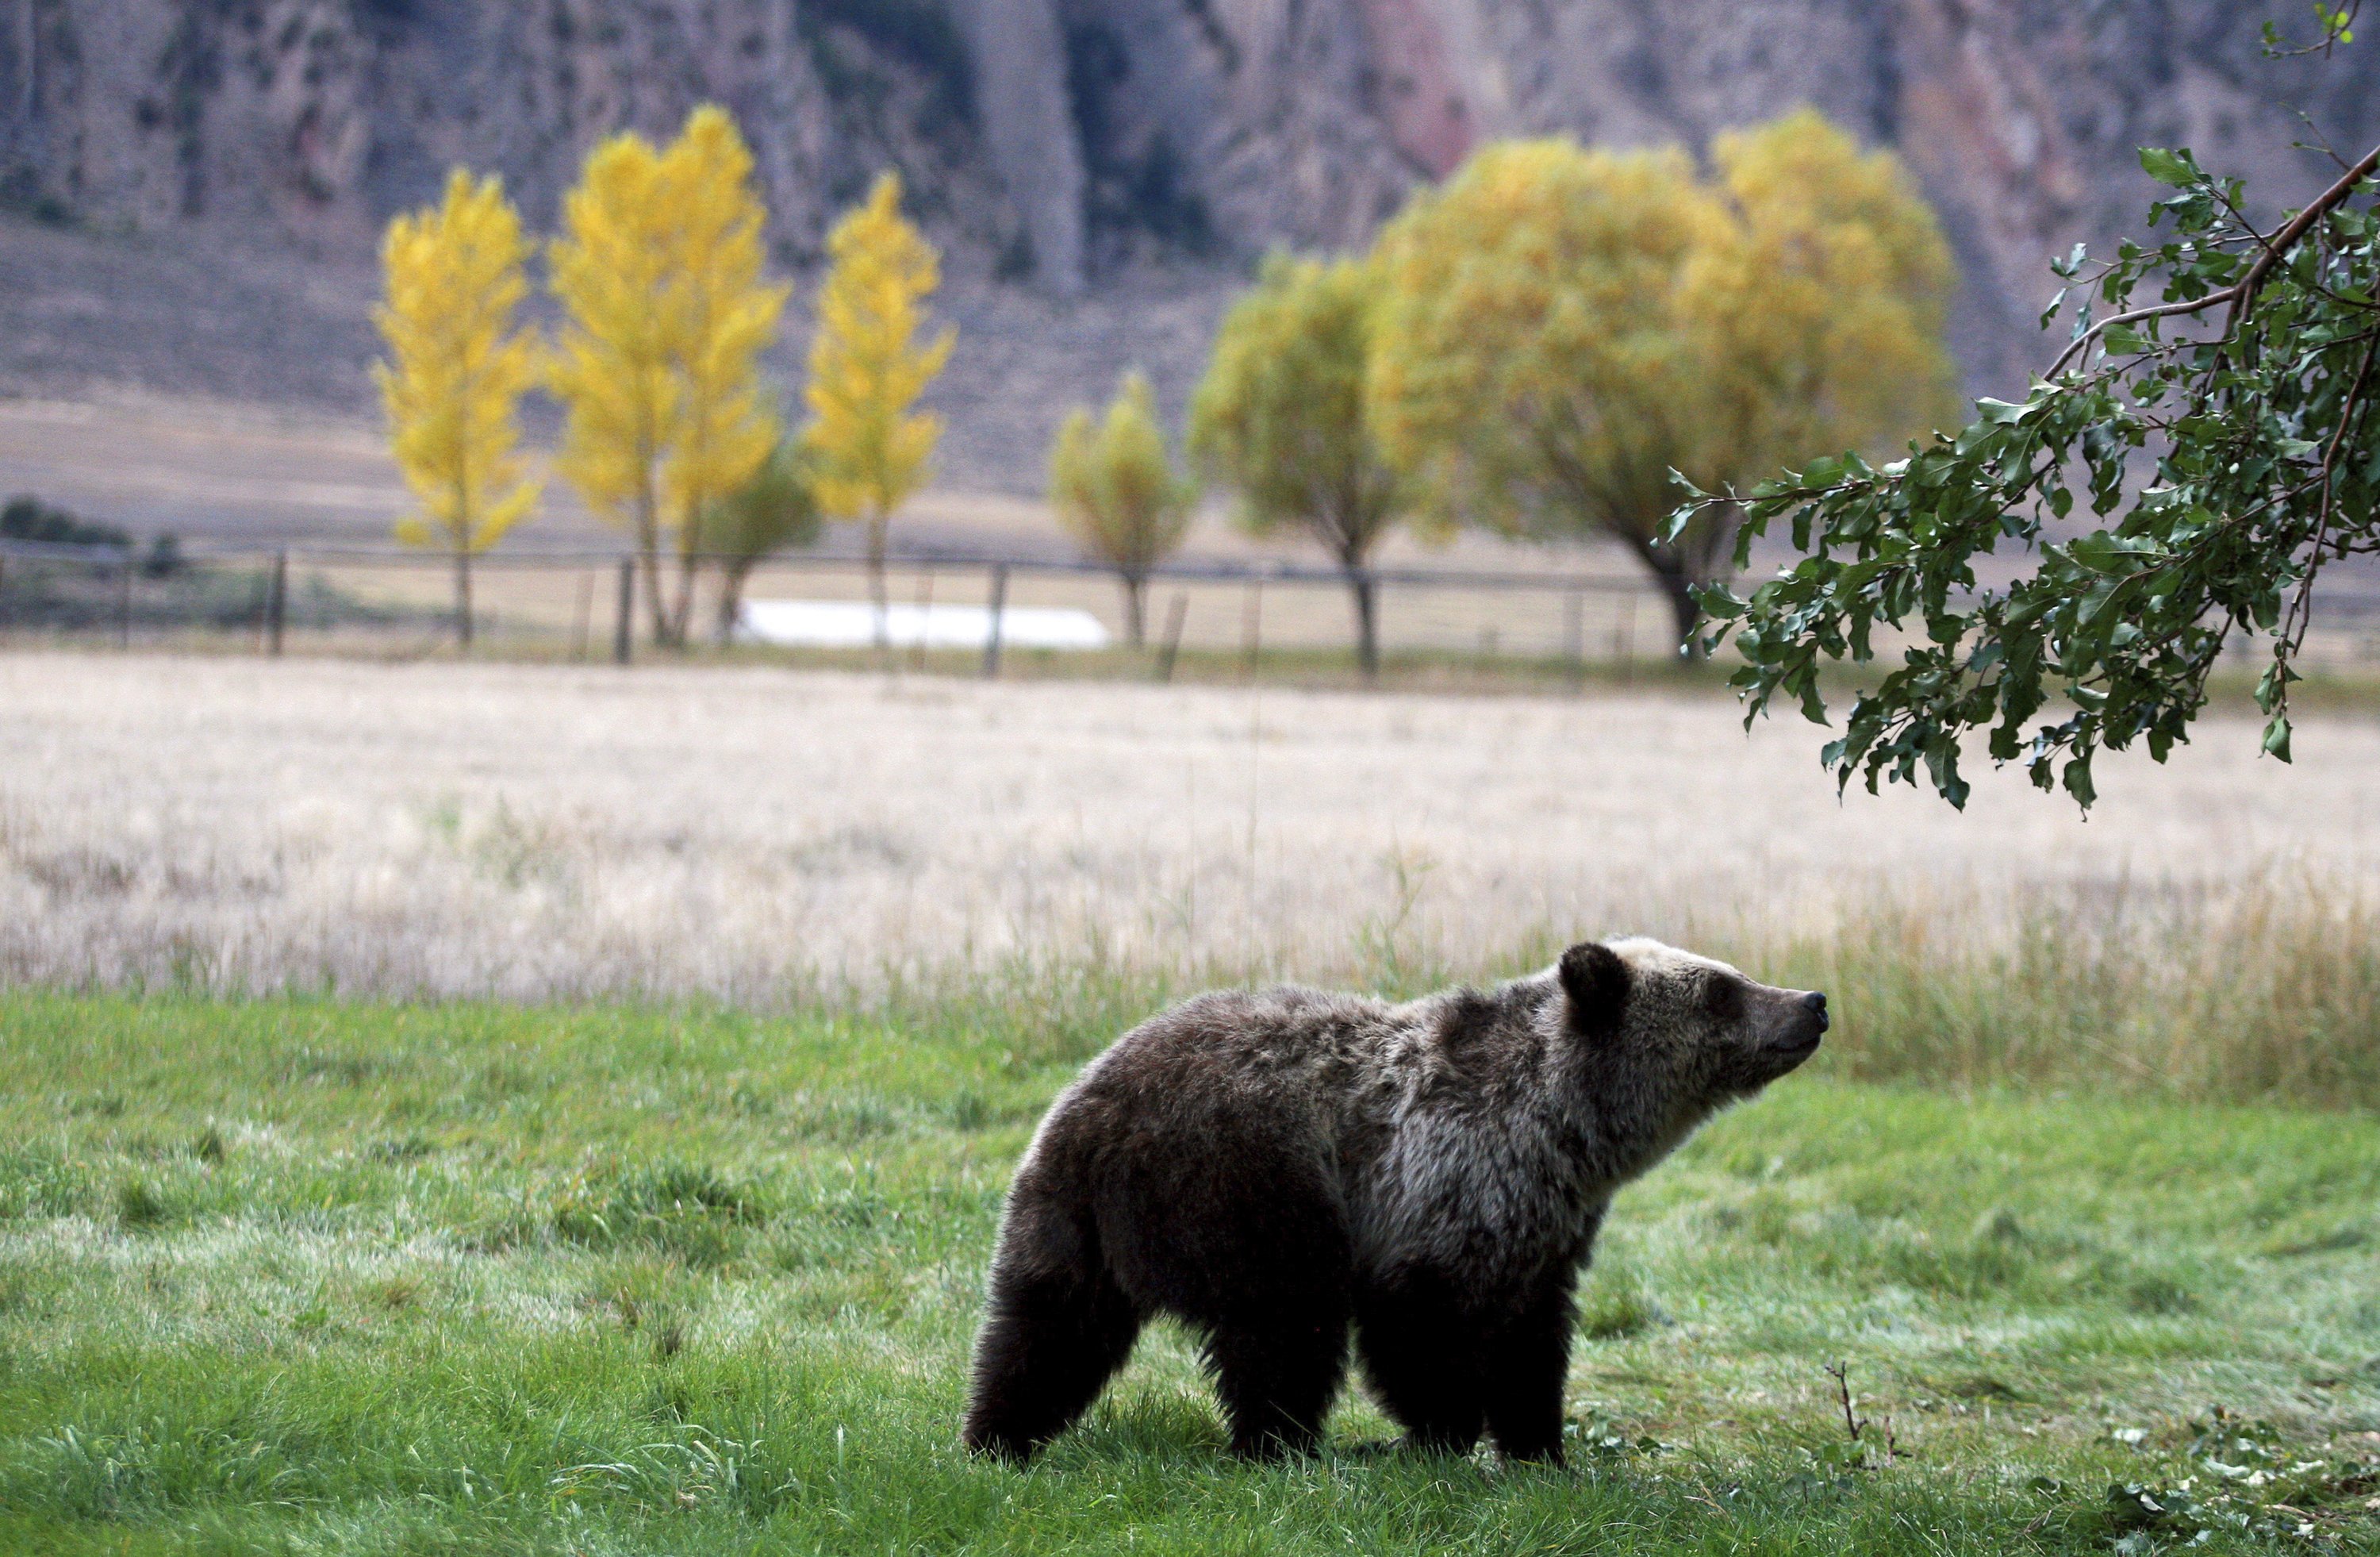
1670,1037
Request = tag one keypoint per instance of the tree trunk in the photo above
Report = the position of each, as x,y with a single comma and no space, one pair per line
1134,631
682,614
463,598
649,552
1674,574
731,599
876,590
1367,628
1701,556
1678,588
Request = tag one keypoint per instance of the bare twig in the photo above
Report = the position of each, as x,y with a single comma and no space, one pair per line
1840,1372
2320,142
1855,1424
2337,27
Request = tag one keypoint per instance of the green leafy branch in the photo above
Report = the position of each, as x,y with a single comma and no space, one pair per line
2336,25
2222,434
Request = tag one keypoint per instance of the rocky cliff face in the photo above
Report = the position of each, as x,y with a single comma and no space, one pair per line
1067,145
314,119
1305,123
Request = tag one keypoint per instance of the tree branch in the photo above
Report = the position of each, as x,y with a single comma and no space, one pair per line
2242,292
2301,613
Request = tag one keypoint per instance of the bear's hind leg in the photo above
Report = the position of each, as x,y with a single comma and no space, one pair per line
1051,1343
1277,1379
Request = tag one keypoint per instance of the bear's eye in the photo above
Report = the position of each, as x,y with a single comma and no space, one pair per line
1723,997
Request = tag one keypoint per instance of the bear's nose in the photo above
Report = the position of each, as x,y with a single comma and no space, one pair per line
1816,1003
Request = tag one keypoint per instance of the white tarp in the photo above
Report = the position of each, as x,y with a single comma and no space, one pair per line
836,624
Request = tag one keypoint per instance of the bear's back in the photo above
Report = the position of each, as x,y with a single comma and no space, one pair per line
1260,1074
1248,1042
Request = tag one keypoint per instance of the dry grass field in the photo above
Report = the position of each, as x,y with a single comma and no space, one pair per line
325,1270
534,831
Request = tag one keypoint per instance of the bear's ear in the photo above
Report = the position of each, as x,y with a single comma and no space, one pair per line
1595,982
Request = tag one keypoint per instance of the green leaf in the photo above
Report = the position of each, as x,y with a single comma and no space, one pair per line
2269,685
2277,736
1823,472
2168,167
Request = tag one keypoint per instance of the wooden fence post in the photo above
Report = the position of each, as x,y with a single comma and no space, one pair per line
579,623
623,625
1575,637
1252,625
1172,642
925,618
991,631
276,603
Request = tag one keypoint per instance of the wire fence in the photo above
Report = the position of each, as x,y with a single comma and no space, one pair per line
589,605
592,604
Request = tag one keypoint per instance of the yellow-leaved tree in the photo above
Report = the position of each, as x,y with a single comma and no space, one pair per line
868,369
1562,329
1828,304
658,274
1282,415
777,507
722,315
456,373
1116,491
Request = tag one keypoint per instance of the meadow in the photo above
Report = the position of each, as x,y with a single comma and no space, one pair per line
303,1275
760,837
532,1108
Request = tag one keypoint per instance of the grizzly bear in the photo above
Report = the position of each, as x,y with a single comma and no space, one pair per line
1271,1167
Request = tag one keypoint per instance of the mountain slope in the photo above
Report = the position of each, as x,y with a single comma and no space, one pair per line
1077,149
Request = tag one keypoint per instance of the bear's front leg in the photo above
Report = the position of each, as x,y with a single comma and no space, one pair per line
1422,1355
1276,1377
1527,1362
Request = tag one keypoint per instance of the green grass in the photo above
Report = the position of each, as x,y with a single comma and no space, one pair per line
311,1276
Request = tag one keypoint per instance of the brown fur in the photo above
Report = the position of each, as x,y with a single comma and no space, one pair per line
1273,1166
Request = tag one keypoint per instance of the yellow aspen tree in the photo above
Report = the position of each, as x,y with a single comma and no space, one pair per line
658,275
455,371
721,315
866,370
1117,492
608,270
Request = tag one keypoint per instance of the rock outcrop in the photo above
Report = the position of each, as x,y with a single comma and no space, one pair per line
1070,146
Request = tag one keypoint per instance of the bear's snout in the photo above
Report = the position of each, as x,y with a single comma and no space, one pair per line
1800,1019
